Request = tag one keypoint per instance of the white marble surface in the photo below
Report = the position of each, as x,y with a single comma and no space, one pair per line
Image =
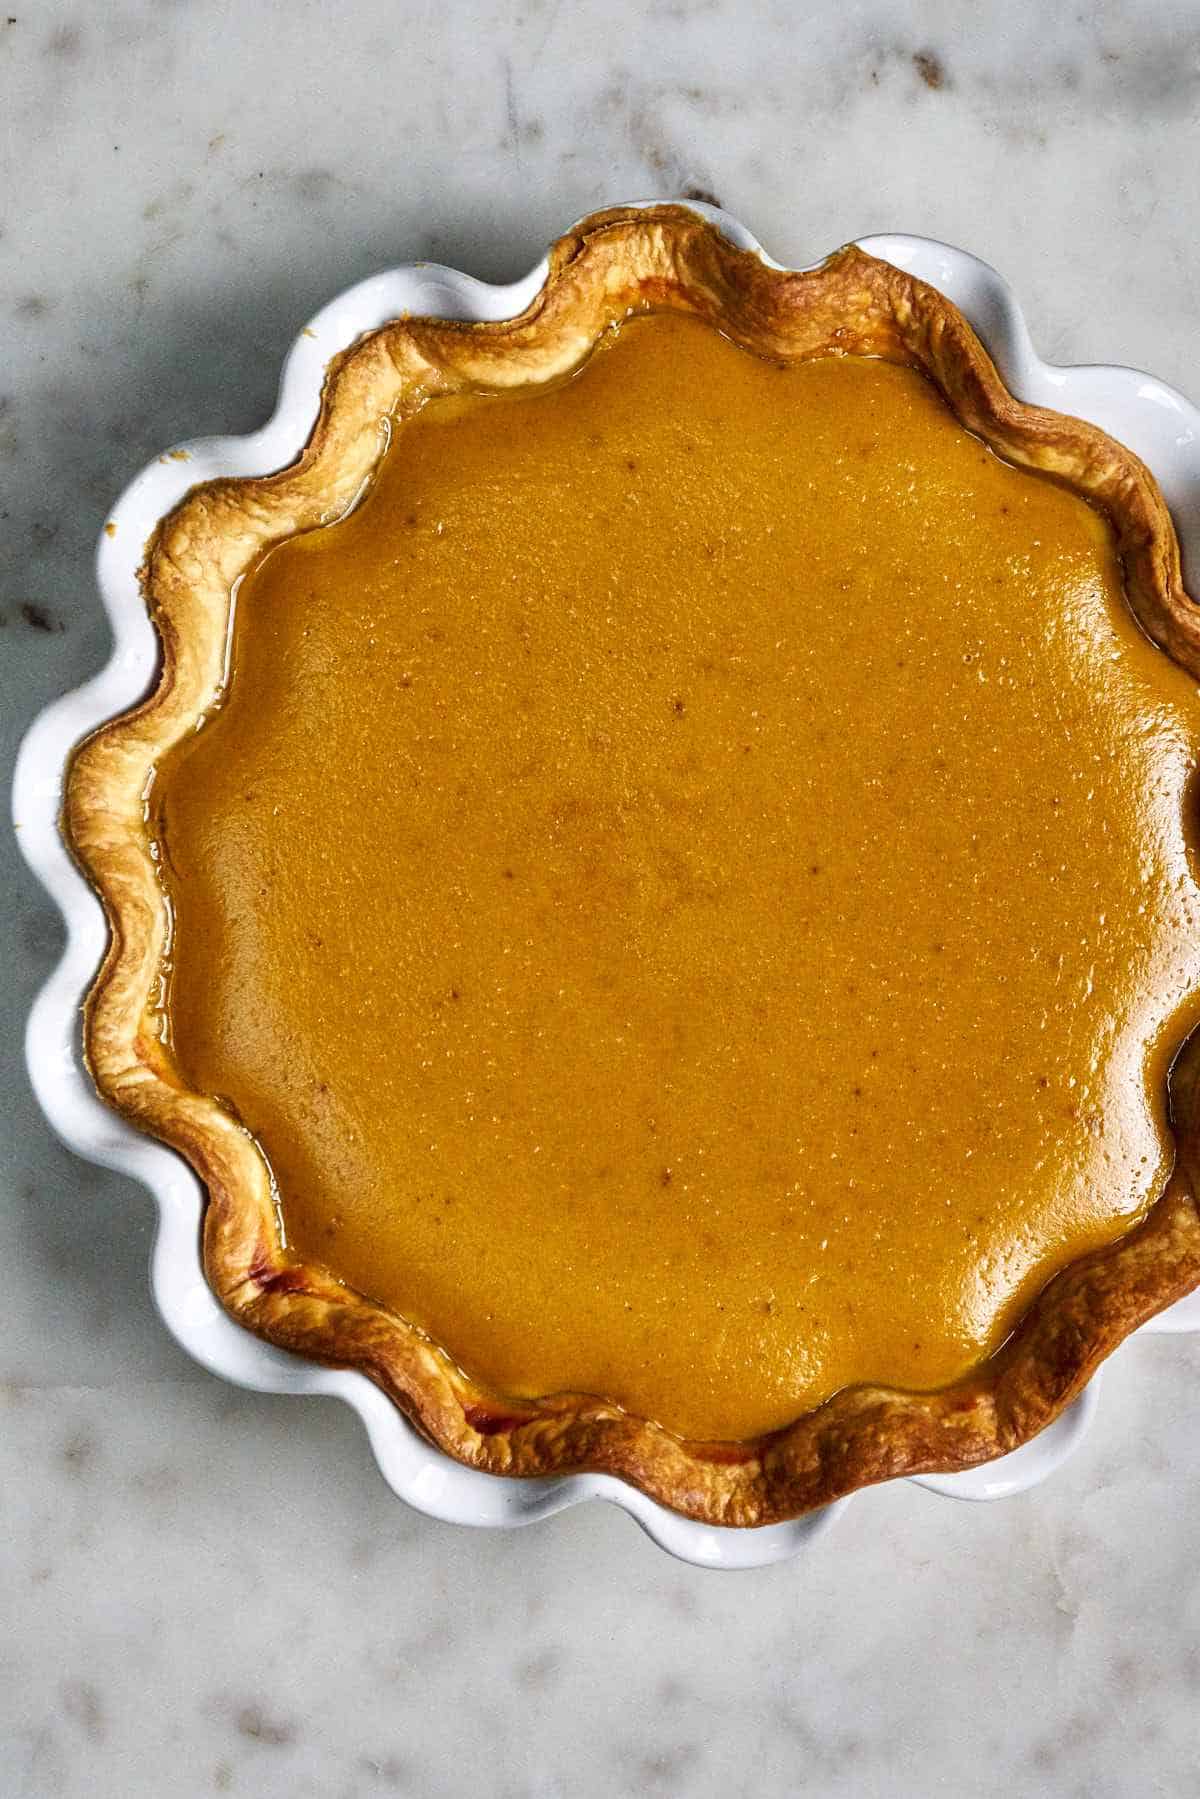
204,1591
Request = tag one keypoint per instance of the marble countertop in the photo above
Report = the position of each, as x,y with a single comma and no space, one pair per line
206,1591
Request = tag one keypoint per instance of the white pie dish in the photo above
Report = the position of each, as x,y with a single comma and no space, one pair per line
1153,420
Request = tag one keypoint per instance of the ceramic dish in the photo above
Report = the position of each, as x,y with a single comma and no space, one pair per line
1161,426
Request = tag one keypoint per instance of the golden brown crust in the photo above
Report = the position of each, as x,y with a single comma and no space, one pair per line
614,263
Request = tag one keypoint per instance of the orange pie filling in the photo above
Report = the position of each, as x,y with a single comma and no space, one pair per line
688,885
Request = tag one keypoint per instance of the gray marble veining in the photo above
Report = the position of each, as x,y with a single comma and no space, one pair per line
207,1591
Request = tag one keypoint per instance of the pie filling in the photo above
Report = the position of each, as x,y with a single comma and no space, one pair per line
688,885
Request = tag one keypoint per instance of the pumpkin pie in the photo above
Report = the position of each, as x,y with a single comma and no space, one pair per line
656,887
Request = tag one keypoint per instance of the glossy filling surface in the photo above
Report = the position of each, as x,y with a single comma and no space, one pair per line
689,884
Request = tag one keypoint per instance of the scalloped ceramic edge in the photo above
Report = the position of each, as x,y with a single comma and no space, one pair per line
1152,419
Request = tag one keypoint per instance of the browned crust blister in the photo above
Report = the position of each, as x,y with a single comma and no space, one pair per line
614,264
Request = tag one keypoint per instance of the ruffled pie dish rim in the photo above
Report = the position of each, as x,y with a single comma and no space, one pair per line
861,1444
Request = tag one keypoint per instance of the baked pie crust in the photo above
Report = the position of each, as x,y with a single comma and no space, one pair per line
615,264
